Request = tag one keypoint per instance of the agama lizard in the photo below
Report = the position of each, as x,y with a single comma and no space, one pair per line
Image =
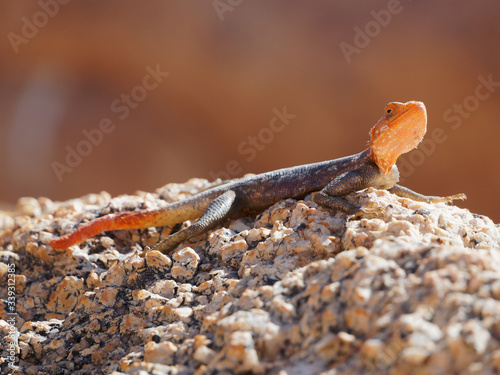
400,130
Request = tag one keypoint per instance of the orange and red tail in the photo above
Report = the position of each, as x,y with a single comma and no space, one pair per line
122,220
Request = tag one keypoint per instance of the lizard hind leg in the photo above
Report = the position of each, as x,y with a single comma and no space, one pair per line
407,193
220,209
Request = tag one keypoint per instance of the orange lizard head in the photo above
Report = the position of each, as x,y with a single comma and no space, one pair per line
399,131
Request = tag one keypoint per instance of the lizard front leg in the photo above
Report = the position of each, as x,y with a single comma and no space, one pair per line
220,209
407,193
332,195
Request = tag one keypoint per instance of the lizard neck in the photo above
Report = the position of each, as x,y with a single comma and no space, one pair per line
383,163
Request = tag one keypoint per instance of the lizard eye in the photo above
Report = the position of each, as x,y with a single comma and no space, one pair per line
390,109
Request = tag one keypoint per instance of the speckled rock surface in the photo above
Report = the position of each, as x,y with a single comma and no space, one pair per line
294,290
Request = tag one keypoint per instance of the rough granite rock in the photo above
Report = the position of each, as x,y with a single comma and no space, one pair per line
294,290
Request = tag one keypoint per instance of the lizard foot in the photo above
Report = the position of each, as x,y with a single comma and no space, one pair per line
371,210
448,199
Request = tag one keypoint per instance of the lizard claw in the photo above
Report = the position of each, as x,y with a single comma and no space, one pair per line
460,196
448,199
145,252
371,210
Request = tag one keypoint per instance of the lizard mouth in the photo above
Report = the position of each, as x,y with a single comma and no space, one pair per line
399,131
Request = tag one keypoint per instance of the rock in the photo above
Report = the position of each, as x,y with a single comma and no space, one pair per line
296,289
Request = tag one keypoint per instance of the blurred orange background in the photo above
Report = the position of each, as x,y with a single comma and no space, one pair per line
122,96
